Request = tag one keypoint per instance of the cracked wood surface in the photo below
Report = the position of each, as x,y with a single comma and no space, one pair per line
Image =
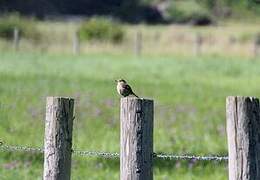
58,138
136,139
243,130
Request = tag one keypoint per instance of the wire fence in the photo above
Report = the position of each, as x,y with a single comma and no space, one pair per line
109,155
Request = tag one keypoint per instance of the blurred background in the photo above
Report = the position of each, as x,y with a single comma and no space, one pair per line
186,55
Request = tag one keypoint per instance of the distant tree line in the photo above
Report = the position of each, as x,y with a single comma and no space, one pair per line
128,10
225,7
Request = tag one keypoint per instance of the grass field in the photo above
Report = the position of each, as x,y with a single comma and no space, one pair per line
189,95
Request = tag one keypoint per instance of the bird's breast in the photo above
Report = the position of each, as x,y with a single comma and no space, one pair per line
118,87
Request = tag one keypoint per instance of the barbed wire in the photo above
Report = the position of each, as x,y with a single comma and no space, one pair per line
191,157
109,155
9,148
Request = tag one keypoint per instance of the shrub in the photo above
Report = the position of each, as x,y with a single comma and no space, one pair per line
26,27
245,37
200,19
101,29
188,12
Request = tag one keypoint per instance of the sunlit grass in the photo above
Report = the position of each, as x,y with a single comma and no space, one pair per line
230,39
189,95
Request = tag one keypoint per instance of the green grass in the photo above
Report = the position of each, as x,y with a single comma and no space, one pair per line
189,95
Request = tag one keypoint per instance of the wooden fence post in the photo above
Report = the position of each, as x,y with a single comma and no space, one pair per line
136,139
58,138
197,44
138,43
16,39
256,45
75,43
243,124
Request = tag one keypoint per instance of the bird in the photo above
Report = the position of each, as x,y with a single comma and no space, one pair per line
124,89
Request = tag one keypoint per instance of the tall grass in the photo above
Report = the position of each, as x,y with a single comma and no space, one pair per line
231,39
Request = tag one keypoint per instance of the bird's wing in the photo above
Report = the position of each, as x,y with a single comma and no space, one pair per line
127,87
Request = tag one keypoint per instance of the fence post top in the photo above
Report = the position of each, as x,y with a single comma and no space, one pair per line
242,97
59,97
135,99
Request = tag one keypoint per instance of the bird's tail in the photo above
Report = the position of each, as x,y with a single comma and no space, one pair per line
134,94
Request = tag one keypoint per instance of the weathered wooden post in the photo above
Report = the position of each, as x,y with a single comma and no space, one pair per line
136,139
243,130
16,39
75,43
256,45
197,44
58,138
138,43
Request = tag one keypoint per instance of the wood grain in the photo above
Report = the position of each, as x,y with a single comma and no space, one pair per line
136,139
243,130
58,138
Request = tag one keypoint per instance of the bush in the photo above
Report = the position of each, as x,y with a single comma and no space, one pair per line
26,27
101,29
188,12
200,19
